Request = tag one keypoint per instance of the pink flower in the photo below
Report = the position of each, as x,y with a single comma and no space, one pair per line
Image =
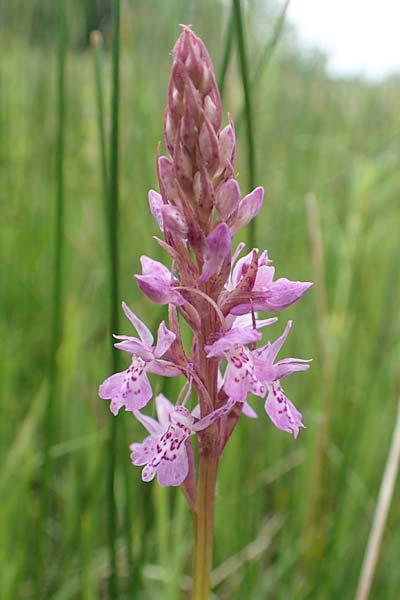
131,388
239,378
157,282
165,451
278,407
236,213
266,294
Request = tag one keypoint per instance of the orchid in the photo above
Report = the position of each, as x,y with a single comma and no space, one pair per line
165,451
278,407
266,294
131,388
210,291
157,282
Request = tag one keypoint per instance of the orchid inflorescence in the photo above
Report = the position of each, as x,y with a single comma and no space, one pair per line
218,294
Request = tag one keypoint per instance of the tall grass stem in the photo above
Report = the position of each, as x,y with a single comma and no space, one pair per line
96,40
381,512
244,73
49,425
226,54
112,222
265,58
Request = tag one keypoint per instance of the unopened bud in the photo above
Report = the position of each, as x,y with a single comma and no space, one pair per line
183,167
227,198
169,132
227,144
174,220
208,144
211,111
156,203
167,178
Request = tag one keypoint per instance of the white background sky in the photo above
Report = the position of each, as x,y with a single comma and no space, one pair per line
360,36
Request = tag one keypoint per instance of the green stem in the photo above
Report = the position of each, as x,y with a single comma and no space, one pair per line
265,59
114,294
97,43
244,72
56,317
204,527
226,55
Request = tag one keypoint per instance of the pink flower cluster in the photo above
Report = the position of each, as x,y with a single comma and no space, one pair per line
218,294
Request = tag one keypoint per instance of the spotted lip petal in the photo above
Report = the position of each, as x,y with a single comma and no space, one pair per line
129,388
282,411
165,453
240,378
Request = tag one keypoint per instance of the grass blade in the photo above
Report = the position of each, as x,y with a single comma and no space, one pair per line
381,513
226,55
57,294
244,73
112,228
265,57
96,40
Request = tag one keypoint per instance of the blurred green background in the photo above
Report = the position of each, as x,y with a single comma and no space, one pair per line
292,517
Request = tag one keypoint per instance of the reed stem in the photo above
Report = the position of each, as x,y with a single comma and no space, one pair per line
113,288
381,513
57,295
204,527
226,55
244,72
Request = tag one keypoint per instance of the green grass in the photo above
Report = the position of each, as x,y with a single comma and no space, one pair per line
309,502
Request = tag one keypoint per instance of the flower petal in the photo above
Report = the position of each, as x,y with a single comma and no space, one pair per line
174,220
265,276
246,320
282,293
165,338
237,336
149,423
156,203
143,331
269,352
158,290
281,411
133,346
249,411
173,470
249,207
164,407
239,377
214,415
131,388
111,386
227,198
241,266
286,367
164,368
141,453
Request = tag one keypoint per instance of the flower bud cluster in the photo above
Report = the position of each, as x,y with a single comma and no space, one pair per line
199,209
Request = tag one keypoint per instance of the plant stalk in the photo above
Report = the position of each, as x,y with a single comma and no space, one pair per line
204,527
57,298
248,111
114,291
